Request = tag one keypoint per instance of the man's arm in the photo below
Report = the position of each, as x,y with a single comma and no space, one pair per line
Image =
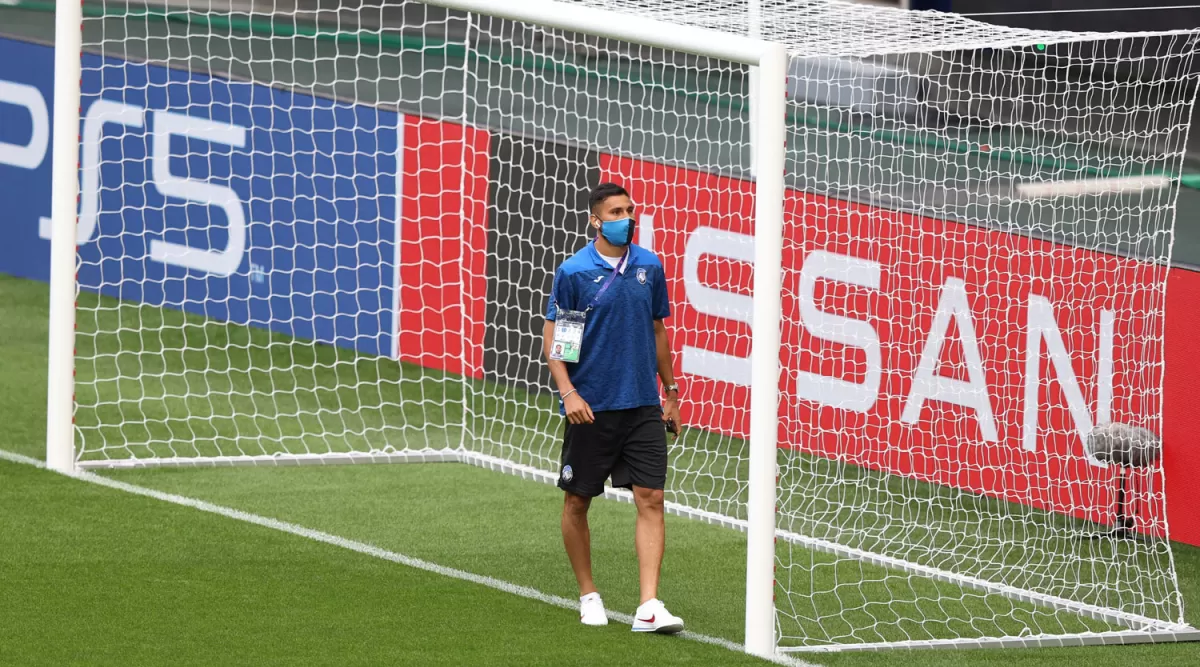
666,371
577,409
662,346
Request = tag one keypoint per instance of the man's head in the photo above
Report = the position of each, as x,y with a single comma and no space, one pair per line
612,213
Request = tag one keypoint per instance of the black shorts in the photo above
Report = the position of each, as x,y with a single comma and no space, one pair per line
630,445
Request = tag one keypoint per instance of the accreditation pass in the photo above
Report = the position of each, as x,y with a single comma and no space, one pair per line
568,335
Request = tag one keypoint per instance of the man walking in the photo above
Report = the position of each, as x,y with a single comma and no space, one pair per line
605,340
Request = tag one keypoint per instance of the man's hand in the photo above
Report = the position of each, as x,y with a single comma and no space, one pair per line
671,415
578,411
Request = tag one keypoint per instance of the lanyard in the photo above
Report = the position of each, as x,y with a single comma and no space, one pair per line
604,288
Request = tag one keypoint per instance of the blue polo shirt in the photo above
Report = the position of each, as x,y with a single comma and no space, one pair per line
618,363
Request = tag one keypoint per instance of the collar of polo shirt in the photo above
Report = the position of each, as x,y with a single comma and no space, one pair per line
598,259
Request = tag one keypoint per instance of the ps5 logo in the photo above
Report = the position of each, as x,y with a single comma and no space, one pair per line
106,115
30,154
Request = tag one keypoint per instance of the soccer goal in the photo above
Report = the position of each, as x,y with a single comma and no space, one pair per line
917,265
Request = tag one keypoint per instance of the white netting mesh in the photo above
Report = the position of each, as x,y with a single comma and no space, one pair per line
404,181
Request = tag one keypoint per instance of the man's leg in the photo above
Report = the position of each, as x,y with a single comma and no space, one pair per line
643,469
577,538
649,538
587,457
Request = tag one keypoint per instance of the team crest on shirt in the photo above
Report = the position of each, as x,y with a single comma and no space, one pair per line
641,274
568,474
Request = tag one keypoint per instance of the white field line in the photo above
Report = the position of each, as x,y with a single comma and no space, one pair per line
377,552
18,458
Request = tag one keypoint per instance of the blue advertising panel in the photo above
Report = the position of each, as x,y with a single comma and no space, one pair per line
228,199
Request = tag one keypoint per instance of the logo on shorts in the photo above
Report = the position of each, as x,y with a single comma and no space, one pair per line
568,474
641,274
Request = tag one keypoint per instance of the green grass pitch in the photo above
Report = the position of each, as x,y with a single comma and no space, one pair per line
95,576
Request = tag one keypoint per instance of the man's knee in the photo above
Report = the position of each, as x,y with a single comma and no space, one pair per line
648,500
576,505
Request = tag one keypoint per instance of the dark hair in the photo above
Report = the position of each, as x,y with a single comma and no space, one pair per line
604,191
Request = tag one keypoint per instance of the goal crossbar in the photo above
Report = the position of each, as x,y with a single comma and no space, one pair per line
625,27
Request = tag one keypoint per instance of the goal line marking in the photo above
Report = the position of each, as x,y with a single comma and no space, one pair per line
378,552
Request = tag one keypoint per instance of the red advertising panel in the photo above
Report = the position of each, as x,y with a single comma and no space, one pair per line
993,354
443,246
948,353
1181,418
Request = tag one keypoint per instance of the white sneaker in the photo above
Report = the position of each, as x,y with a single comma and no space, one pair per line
652,616
591,610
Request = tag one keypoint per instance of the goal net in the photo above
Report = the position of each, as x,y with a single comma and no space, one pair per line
326,232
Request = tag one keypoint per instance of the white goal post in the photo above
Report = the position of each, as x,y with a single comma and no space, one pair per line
957,241
60,402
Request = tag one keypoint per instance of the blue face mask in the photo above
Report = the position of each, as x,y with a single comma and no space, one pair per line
617,232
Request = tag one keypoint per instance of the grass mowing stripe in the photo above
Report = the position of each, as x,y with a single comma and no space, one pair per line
377,552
